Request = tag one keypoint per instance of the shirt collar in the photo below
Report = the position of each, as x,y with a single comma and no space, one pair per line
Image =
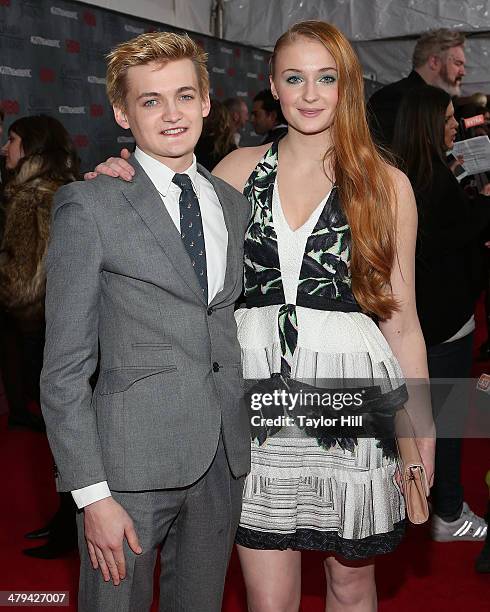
161,175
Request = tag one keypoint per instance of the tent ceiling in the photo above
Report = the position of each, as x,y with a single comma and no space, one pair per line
382,31
260,23
188,14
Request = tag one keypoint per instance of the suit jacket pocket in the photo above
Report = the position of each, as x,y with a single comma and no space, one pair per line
121,379
152,346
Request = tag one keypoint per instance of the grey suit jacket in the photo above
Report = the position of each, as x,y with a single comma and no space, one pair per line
119,278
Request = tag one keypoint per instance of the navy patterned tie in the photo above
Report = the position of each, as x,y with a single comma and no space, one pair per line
191,230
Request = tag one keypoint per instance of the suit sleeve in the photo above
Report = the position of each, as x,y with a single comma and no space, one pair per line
73,267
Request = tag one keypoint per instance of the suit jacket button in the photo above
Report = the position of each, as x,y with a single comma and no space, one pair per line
210,311
215,366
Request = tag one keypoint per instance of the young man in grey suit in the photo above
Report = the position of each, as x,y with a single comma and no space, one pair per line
149,271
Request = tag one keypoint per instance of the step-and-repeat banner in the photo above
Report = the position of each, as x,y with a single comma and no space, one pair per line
52,60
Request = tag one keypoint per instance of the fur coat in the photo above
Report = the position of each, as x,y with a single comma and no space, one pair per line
28,203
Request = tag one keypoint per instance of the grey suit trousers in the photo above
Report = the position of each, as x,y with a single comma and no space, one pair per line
196,527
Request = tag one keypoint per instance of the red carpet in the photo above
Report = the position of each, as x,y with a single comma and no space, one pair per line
421,575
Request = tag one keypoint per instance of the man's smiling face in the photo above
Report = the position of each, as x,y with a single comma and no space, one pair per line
164,110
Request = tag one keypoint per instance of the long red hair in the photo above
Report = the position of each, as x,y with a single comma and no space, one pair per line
362,175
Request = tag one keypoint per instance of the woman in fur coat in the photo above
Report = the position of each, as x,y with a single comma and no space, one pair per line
40,157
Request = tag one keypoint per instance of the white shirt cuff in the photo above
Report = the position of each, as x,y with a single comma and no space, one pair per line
88,495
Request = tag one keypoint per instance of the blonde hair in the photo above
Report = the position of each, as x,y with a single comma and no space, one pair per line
160,47
365,186
435,42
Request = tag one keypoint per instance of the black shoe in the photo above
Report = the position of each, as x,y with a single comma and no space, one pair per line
44,532
54,549
27,420
482,564
62,525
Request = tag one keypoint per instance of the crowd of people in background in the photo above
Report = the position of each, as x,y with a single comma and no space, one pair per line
418,119
415,123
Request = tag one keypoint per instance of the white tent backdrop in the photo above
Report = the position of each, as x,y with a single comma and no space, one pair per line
260,22
187,14
370,24
377,28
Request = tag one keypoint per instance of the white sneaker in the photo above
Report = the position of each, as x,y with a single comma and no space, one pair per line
469,527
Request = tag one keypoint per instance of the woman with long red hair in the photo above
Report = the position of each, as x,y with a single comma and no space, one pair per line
329,289
330,303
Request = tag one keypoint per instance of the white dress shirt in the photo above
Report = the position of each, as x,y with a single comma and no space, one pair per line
215,239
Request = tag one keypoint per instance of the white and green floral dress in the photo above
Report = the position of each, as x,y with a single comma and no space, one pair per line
307,490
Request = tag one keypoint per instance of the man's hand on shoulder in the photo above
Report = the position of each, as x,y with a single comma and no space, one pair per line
117,167
106,525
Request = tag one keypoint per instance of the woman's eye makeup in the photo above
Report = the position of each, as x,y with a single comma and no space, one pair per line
325,79
293,79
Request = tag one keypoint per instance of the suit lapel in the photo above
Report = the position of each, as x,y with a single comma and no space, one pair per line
232,274
145,199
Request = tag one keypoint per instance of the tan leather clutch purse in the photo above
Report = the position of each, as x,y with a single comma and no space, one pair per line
414,479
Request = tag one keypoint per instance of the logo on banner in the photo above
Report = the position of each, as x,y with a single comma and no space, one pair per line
80,140
483,383
261,76
251,75
47,75
259,58
470,122
62,13
231,71
96,110
10,107
226,50
89,19
72,46
125,139
237,51
96,80
133,29
242,94
45,42
16,72
217,70
71,110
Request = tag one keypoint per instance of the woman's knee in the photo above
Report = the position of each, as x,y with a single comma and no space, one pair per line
272,579
350,584
272,602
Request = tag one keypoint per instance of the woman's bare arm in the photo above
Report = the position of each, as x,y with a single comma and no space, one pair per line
238,165
402,330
